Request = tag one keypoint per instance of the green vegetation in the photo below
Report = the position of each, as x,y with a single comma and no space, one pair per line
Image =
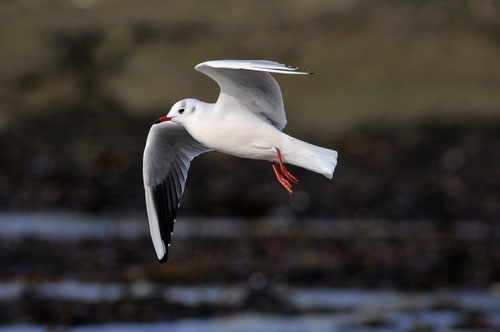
375,61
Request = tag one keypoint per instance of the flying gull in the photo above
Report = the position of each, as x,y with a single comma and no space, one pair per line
246,121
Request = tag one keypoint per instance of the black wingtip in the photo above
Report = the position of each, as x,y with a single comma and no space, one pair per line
164,259
302,70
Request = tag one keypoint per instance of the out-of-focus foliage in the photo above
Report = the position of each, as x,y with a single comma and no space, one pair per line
81,81
374,60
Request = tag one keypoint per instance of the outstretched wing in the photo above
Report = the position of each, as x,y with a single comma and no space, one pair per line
248,84
167,156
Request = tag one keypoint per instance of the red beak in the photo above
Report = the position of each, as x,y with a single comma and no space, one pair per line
163,119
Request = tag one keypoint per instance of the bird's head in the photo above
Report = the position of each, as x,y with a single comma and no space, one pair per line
181,112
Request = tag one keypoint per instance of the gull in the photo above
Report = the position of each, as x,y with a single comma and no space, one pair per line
246,121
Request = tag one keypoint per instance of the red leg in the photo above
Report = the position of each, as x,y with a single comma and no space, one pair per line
285,172
282,180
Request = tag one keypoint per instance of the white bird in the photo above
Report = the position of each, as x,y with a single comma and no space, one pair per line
246,121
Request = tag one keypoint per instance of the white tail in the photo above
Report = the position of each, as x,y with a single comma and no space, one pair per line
311,157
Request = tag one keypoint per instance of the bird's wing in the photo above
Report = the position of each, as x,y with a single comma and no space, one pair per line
167,156
248,84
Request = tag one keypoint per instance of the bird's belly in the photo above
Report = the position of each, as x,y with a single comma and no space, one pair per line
251,150
242,141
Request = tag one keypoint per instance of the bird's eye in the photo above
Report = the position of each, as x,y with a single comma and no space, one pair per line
181,110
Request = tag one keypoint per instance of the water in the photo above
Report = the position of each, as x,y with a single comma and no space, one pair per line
146,296
318,309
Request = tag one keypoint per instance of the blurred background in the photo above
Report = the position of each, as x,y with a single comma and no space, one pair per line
404,238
